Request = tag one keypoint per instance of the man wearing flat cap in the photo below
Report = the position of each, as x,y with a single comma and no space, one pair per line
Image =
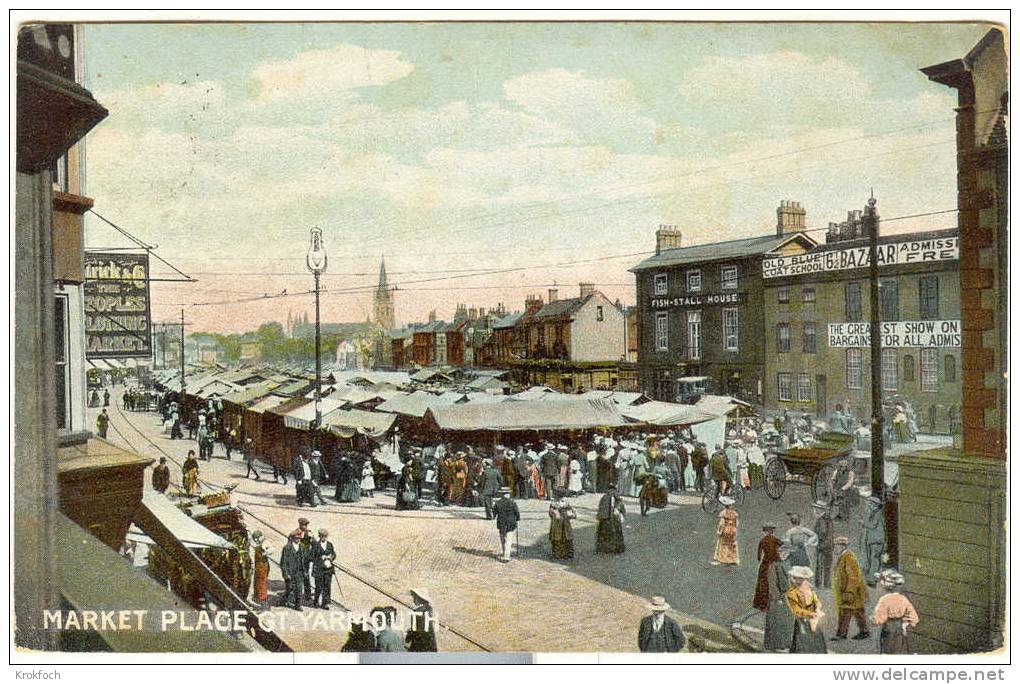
659,633
507,516
849,591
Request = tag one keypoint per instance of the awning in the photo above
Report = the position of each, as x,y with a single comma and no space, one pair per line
567,414
348,423
663,413
190,532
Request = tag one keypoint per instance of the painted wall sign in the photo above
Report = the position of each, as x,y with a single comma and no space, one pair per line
895,253
694,301
897,334
118,323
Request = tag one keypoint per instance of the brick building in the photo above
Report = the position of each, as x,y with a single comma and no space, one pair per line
700,309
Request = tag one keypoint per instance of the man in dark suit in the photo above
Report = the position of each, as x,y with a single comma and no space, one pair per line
318,472
305,545
323,556
658,632
302,478
507,516
522,480
492,481
291,564
550,468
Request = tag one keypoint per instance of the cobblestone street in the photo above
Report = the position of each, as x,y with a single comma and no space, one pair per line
593,603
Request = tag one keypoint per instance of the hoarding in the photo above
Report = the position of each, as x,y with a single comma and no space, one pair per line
930,250
118,323
897,334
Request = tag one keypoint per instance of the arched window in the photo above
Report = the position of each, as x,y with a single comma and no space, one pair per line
908,368
950,373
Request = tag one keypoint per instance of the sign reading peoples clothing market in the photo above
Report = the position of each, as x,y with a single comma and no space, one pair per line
897,334
117,316
893,253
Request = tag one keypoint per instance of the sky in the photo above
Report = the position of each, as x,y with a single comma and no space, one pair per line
490,161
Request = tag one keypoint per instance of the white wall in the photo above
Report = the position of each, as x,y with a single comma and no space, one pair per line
595,340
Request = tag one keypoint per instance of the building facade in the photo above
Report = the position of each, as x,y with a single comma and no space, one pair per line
700,309
817,341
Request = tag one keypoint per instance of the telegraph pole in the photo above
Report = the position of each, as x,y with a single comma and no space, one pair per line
316,261
877,441
182,357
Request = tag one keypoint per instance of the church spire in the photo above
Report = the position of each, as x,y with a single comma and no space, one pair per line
382,273
383,304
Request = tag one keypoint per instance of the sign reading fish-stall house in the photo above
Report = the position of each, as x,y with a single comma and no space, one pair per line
897,334
892,253
117,319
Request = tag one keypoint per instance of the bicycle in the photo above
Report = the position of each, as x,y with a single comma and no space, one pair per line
710,498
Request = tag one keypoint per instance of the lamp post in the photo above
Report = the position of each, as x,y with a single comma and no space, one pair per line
316,261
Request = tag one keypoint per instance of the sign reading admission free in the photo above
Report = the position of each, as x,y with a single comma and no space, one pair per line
906,252
897,334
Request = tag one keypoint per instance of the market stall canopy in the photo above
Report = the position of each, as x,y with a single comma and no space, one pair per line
251,393
538,392
216,388
190,532
268,403
620,398
345,423
663,413
300,416
371,377
568,414
720,405
415,404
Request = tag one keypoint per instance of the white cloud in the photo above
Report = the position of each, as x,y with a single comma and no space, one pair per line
594,108
337,69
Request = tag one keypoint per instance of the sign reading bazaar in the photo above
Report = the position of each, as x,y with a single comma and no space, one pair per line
897,334
894,253
117,319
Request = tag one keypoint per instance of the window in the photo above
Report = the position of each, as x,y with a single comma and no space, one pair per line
930,370
784,295
694,281
890,370
63,385
783,337
853,302
662,331
694,335
803,387
729,277
599,314
662,284
730,329
908,368
889,296
853,368
950,371
807,295
785,387
810,338
928,290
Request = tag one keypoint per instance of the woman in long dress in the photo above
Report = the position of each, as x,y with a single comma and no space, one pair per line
778,618
407,497
189,473
561,536
624,472
726,532
894,613
347,485
806,608
609,529
576,484
260,585
368,479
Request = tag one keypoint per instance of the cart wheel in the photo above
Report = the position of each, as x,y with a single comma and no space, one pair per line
775,478
737,492
821,484
709,502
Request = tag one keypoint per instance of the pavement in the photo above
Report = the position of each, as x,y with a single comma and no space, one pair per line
591,604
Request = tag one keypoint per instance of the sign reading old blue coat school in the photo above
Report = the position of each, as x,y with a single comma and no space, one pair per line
905,252
117,320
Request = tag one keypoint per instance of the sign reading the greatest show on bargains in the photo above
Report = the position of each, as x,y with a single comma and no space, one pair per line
897,334
894,253
117,319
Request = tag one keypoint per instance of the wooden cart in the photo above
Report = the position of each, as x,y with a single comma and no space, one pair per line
814,465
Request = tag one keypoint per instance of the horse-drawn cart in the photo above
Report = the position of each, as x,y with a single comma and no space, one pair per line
814,465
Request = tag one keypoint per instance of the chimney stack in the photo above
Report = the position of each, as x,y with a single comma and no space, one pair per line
790,217
587,289
667,237
553,294
532,304
432,316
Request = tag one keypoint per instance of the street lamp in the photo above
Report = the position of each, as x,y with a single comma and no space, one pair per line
316,261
